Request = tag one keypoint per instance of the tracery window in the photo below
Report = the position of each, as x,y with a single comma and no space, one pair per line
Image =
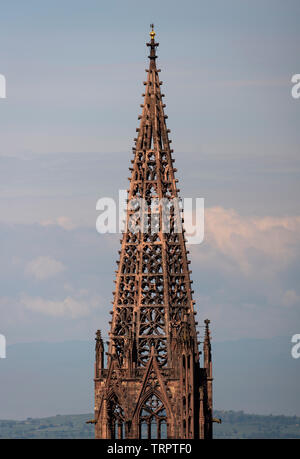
153,419
116,419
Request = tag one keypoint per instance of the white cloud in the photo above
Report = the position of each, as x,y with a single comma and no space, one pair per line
68,307
63,222
246,270
43,268
251,243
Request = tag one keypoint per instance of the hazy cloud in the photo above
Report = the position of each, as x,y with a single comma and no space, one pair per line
291,298
64,222
42,268
244,274
251,243
68,307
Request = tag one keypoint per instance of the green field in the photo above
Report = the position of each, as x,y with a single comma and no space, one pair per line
234,425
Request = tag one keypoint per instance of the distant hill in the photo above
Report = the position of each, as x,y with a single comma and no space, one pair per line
237,424
69,426
234,425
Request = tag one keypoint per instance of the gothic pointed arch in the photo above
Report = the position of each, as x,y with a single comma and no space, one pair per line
116,417
152,416
153,382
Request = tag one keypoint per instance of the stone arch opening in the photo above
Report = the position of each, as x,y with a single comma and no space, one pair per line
116,418
153,418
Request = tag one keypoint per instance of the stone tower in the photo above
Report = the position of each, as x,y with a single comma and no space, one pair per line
153,385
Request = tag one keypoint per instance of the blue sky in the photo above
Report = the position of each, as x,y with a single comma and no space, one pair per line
74,74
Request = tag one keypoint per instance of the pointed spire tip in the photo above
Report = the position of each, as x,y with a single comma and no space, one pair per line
152,33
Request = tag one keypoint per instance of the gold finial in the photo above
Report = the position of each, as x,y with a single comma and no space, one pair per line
152,33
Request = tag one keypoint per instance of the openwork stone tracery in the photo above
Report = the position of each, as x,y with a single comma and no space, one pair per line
153,386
